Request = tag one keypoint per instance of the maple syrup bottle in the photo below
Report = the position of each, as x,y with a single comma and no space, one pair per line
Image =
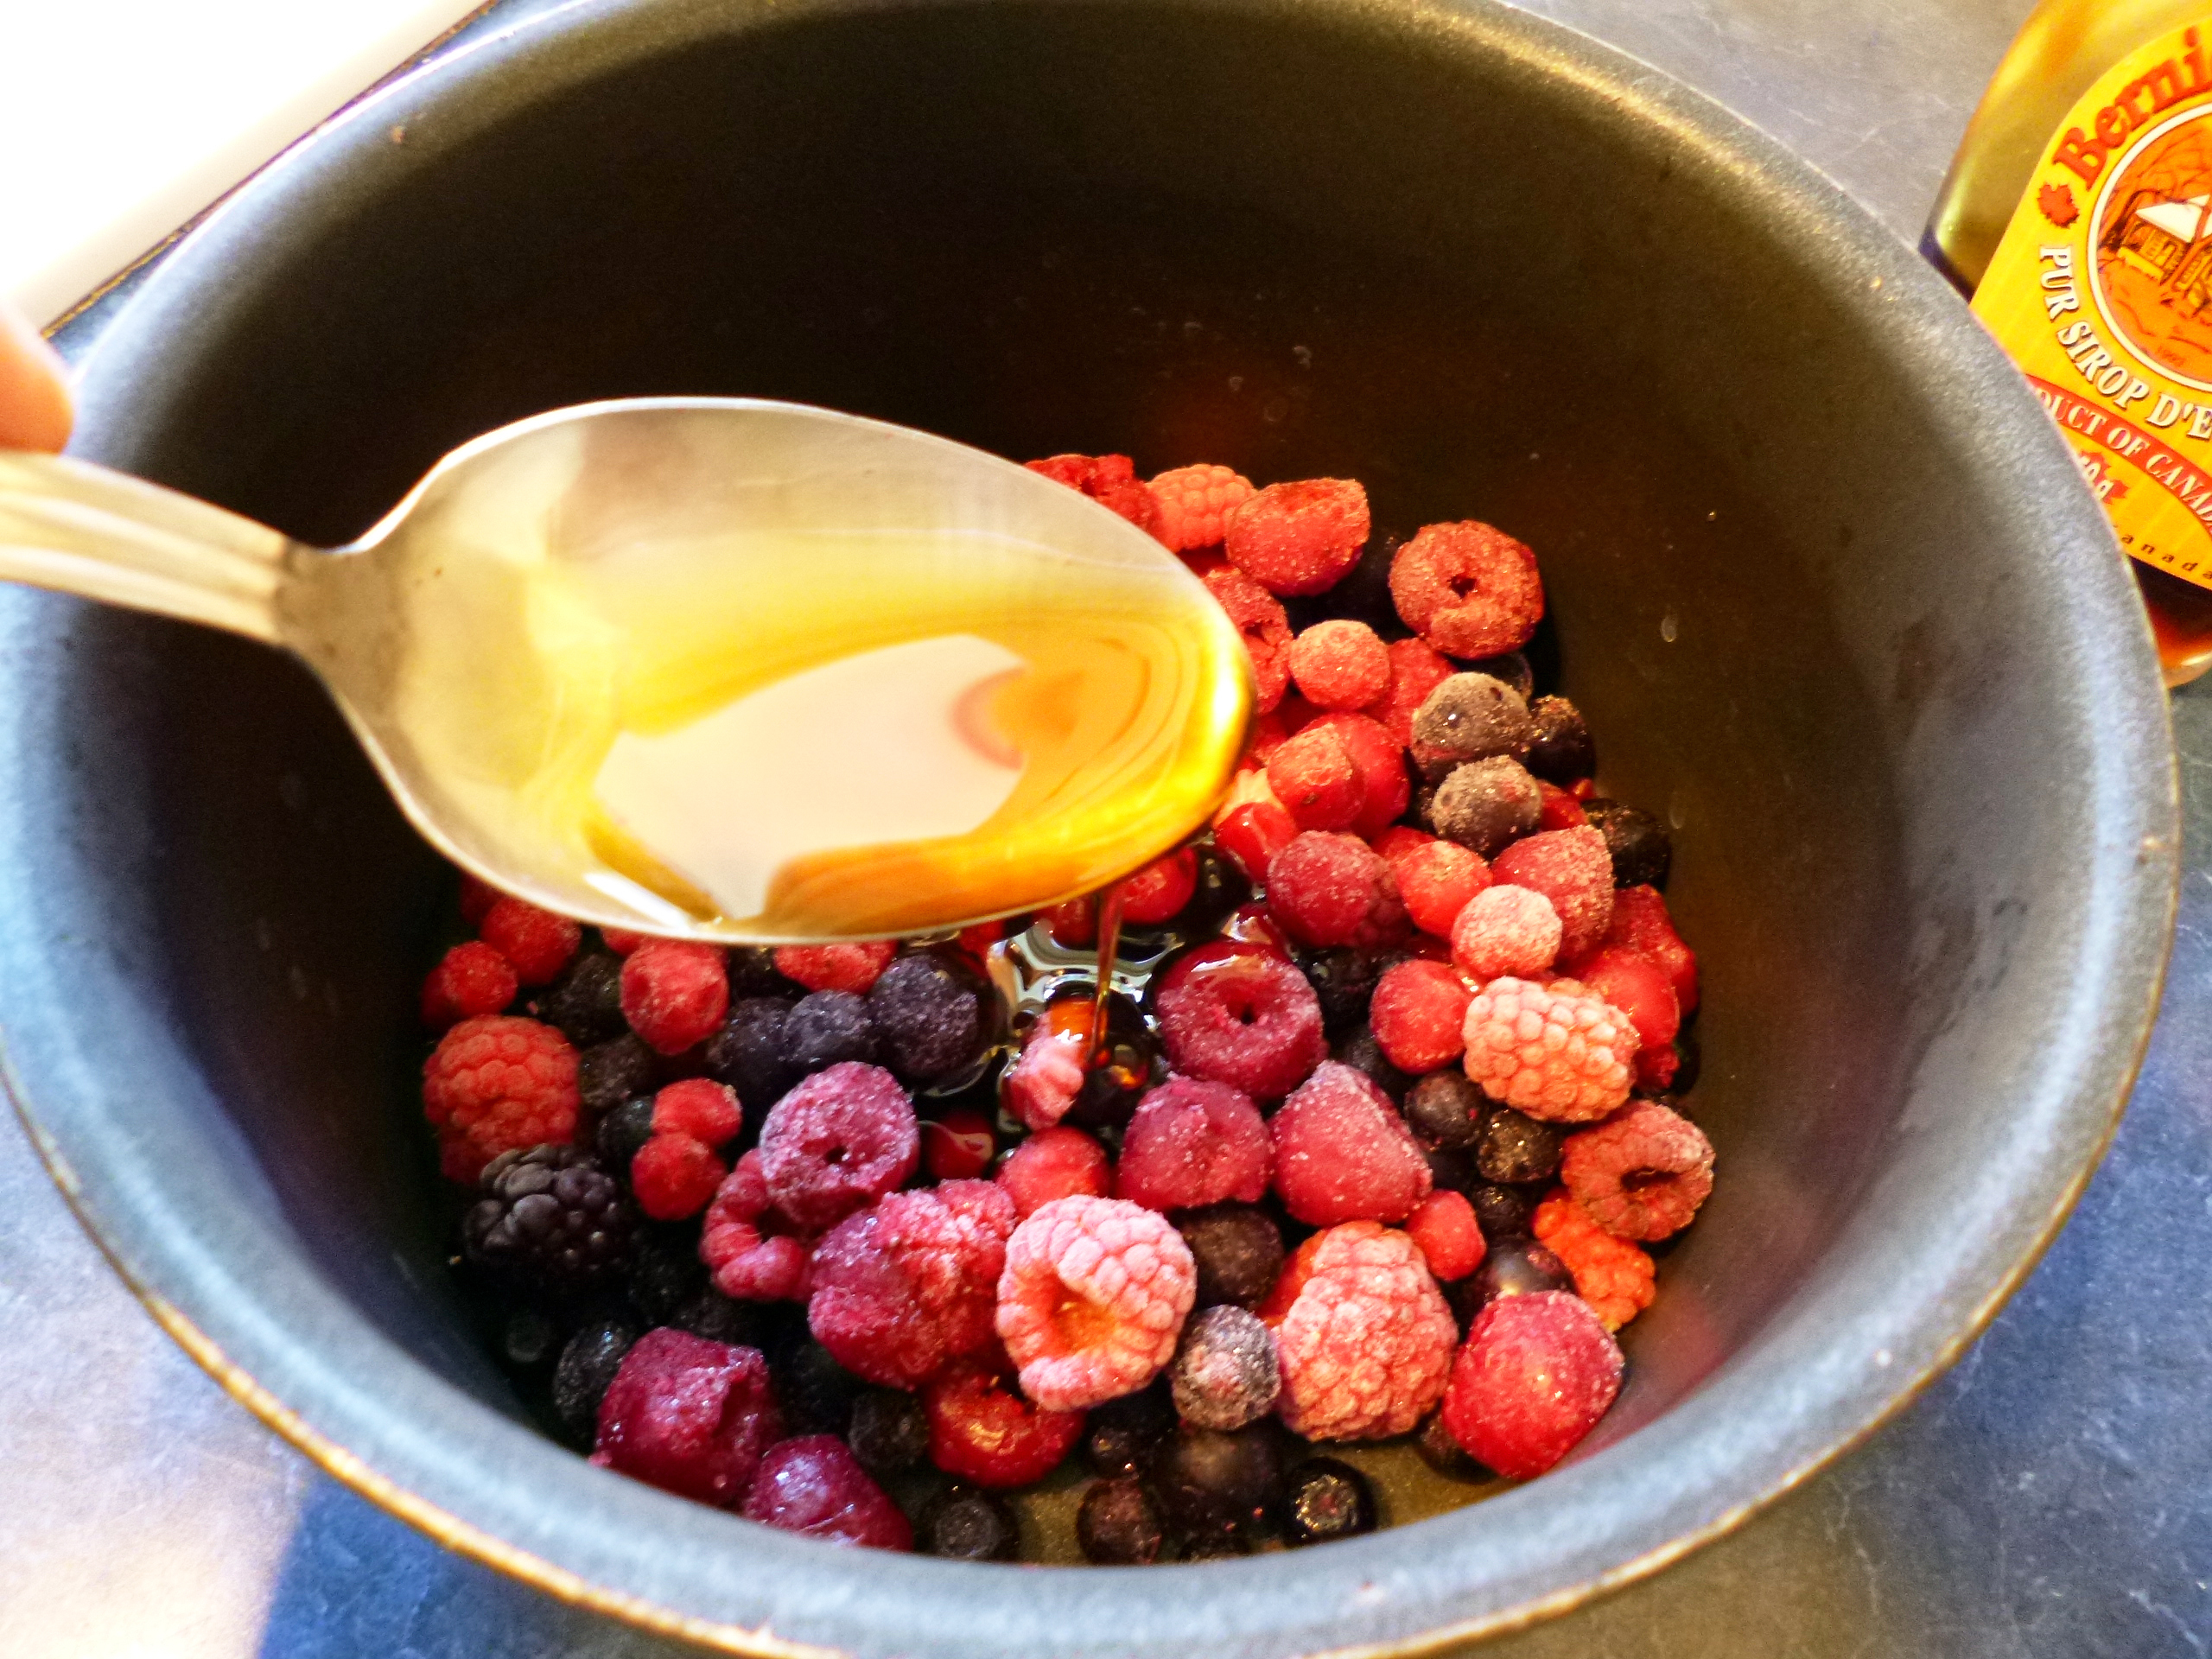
2078,214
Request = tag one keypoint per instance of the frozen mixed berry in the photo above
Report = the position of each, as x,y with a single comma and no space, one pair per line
752,972
1343,981
1445,1109
1048,1075
1158,892
1559,748
1343,1153
817,1394
1573,869
1641,1174
1092,1299
674,993
1315,778
665,1273
499,1084
1451,1239
1364,1054
622,940
889,1433
966,1524
1056,1163
1468,717
585,1002
904,1288
840,1140
713,1316
1641,849
536,941
1416,670
1469,589
1514,1149
1504,1211
929,1012
982,1430
1225,1373
584,1371
959,1146
1559,809
1433,1441
1213,1480
688,1416
622,1133
1193,1143
1641,924
749,1263
1119,1074
815,1485
1556,1052
1485,805
1195,503
1340,665
1252,832
550,1222
1379,763
675,1176
612,1072
1615,1276
1505,932
1110,480
1118,1525
1241,1015
1364,1334
827,1028
1537,1374
1419,1015
1238,1250
1438,879
471,981
1332,890
1265,629
843,967
1450,1169
1638,986
701,1108
1511,1267
1325,1500
1299,537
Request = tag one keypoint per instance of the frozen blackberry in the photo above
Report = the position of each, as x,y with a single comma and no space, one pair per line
1642,851
1445,1109
1513,1147
1343,981
1485,803
1469,717
586,1001
529,1339
966,1524
623,1131
815,1392
665,1272
1211,1480
1450,1169
1238,1251
611,1072
826,1028
550,1222
588,1364
1559,750
1118,1436
1119,1524
931,1016
748,1053
1364,1054
1325,1500
752,972
1511,1267
1441,1452
718,1318
889,1433
1504,1211
1225,1373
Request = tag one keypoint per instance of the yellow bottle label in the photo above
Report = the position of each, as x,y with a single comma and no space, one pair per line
2101,290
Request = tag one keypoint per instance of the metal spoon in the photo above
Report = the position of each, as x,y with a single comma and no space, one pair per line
470,636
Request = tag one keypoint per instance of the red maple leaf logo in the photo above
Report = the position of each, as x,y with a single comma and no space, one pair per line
2057,203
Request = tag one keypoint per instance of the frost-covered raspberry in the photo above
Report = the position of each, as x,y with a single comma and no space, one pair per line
499,1083
537,941
1225,1373
1193,1143
748,1263
1195,503
1045,1079
902,1289
674,993
1436,879
814,1485
1641,1174
1506,931
1333,889
1573,869
983,1431
1340,663
1641,924
688,1416
1365,1336
1468,589
847,967
1265,628
473,981
1451,1239
1298,537
1378,760
1419,1015
1314,776
1537,1373
1242,1015
1557,1053
1093,1297
1343,1153
1613,1275
1416,670
1056,1163
840,1140
1638,986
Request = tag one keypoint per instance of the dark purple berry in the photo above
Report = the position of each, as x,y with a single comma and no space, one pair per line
588,1364
1327,1500
932,1015
1238,1251
752,973
815,1392
611,1072
1214,1546
1511,1267
550,1222
1119,1436
748,1054
1445,1109
1642,851
1443,1453
1119,1524
1211,1480
1364,1054
825,1028
623,1131
1220,889
1226,1372
889,1432
1561,752
585,1003
1504,1211
1344,981
1450,1169
719,1319
1513,1147
665,1272
966,1524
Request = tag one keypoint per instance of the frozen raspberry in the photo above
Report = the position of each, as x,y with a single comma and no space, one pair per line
1330,889
1313,776
471,981
536,941
675,1175
622,940
1340,663
1110,480
1158,893
1436,879
674,993
1506,930
1193,1143
815,1485
842,1139
497,1083
477,897
1486,804
1469,589
688,1416
1379,763
979,1430
1225,1374
1364,1336
958,1146
1559,749
1641,924
747,1265
1641,1174
930,1013
1537,1374
1451,1240
1416,670
1558,810
1612,1275
1045,1079
1195,503
1261,620
1300,538
549,1222
835,967
1056,1163
1241,1015
1252,832
1343,1153
901,1290
1638,986
1093,1297
1419,1015
1573,869
1557,1053
701,1108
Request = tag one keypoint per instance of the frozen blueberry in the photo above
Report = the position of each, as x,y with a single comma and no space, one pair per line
588,1364
611,1072
1513,1147
1642,851
966,1524
1504,1211
1445,1109
1343,981
1238,1251
1213,1547
1120,1435
1226,1372
1443,1453
719,1319
1450,1169
748,1054
1361,595
825,1028
817,1393
1213,1480
930,1015
889,1432
752,973
665,1272
1471,717
622,1131
1325,1500
1119,1524
1364,1054
1485,803
586,1001
1511,1267
1560,750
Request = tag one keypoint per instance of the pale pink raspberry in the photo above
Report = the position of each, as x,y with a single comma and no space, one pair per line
1366,1342
1505,930
1045,1079
1093,1298
1556,1052
1195,503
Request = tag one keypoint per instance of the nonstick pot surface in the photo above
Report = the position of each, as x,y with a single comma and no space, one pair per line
1822,575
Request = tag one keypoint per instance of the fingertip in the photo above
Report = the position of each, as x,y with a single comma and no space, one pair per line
36,410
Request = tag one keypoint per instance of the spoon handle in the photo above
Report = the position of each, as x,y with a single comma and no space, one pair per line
84,529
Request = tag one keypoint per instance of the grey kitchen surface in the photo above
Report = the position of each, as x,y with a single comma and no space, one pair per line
2051,1496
